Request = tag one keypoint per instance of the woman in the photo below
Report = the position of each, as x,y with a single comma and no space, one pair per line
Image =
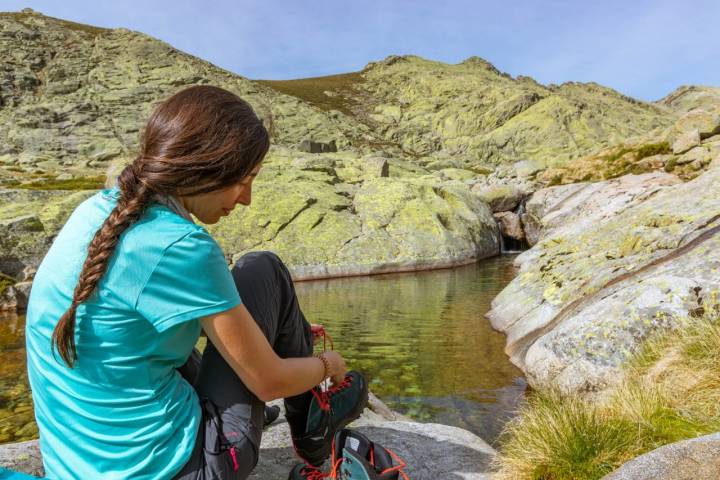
121,297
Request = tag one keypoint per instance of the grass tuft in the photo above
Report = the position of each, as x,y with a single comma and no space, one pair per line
670,392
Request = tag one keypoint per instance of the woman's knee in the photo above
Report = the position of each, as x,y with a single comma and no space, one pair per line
264,260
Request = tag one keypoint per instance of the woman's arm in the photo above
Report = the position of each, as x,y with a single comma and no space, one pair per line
243,345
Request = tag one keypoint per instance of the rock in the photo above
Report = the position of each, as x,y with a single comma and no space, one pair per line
311,146
13,297
655,162
608,276
376,167
694,459
685,141
528,168
699,153
501,198
23,243
690,97
707,123
431,451
316,164
581,205
22,457
386,224
510,225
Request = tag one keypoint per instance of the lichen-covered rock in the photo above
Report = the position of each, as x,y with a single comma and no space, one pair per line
510,225
579,205
696,154
23,243
473,111
76,96
705,121
694,459
690,97
322,228
594,287
686,140
500,198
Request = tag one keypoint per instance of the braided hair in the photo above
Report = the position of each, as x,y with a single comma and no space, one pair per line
201,139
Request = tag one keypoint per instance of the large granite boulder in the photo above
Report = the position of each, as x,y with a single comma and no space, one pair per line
331,219
694,459
579,205
594,287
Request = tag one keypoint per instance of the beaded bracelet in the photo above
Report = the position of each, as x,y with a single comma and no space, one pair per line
326,364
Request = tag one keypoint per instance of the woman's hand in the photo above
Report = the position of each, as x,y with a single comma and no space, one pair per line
336,366
317,332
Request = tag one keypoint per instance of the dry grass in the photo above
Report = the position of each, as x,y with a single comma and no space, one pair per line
342,88
671,391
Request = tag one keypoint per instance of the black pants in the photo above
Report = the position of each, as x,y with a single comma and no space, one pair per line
228,441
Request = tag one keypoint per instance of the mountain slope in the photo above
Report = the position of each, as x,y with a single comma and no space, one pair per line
476,113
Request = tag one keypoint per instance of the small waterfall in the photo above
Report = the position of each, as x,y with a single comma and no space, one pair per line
512,245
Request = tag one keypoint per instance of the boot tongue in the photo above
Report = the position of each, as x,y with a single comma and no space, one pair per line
383,459
357,445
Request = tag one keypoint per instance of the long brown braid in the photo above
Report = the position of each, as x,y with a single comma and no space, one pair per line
199,140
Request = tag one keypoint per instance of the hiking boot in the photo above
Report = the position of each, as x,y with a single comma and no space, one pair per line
329,411
355,457
272,413
302,471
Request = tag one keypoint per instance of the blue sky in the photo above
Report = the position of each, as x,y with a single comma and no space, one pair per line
642,48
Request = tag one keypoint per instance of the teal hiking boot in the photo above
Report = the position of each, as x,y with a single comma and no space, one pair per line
302,471
330,411
355,457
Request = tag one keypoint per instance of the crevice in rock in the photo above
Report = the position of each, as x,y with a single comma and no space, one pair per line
308,203
318,221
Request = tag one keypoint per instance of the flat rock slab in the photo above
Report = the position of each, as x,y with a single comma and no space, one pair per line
695,459
431,451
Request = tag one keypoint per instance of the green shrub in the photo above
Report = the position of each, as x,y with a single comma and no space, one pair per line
652,149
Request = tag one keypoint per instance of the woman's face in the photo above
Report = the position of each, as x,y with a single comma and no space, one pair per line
211,206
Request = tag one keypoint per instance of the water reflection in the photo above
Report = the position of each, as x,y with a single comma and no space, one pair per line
423,341
420,338
17,421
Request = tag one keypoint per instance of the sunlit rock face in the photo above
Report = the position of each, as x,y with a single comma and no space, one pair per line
608,270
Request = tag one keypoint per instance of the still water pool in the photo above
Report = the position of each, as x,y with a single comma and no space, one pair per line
420,338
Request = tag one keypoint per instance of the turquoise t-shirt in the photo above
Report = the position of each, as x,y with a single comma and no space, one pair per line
123,411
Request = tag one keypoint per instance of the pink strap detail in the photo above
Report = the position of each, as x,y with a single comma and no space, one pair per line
234,458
